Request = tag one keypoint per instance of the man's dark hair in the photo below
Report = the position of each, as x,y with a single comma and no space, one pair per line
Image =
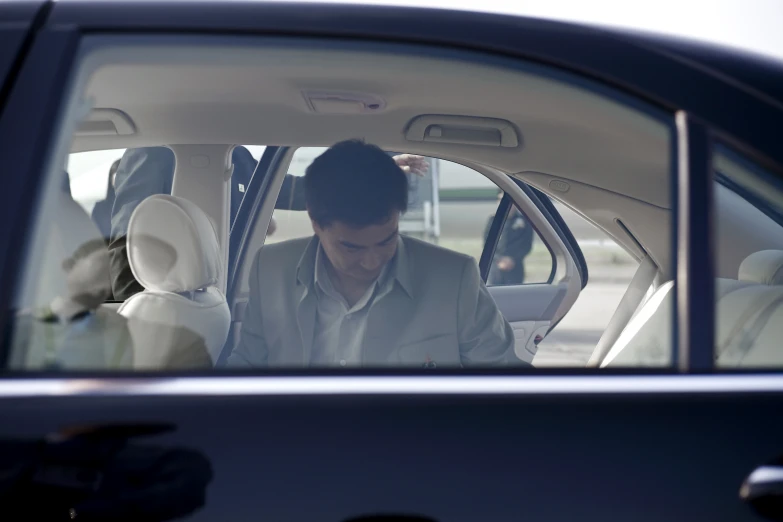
355,183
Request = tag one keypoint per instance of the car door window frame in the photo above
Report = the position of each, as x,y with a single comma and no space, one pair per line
495,230
247,215
546,207
693,327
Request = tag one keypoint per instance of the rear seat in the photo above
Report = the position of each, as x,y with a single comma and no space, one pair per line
749,320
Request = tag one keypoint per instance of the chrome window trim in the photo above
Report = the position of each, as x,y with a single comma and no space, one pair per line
393,385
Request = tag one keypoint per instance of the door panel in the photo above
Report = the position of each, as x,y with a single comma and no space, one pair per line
539,457
529,309
530,302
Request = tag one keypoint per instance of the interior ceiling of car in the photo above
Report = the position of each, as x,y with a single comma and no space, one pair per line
284,96
614,159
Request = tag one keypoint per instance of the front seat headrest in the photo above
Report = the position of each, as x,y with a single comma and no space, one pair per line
172,245
765,267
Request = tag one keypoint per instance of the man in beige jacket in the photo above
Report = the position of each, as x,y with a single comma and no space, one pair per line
359,294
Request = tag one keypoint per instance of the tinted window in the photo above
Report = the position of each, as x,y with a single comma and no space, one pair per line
364,265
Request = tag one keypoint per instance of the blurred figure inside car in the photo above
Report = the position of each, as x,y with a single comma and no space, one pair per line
514,244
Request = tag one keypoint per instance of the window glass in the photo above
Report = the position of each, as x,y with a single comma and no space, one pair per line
381,285
89,176
748,264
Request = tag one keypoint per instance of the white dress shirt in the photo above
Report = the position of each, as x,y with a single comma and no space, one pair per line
339,328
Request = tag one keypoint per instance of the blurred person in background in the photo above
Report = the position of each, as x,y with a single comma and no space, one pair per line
514,244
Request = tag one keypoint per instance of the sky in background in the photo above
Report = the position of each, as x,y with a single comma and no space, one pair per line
749,24
89,173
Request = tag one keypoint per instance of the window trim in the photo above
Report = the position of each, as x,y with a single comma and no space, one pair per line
693,332
545,205
249,210
491,242
749,197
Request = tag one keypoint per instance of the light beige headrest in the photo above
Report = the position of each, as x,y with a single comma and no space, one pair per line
765,267
172,245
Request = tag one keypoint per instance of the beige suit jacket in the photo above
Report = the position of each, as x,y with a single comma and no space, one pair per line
437,312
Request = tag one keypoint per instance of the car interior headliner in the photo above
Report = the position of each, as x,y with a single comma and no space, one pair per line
256,94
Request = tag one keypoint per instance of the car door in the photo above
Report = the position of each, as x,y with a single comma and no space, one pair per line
490,445
552,300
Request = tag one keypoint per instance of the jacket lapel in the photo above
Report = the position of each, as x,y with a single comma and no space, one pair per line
391,314
306,308
388,319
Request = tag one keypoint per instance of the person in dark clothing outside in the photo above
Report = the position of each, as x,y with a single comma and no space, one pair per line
101,212
144,172
514,244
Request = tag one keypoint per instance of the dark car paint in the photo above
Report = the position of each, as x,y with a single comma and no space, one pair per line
20,12
586,458
762,75
17,23
11,39
539,457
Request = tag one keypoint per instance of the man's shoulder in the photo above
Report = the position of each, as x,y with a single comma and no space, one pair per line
284,249
422,251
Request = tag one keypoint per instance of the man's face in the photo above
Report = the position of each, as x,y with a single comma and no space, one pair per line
359,253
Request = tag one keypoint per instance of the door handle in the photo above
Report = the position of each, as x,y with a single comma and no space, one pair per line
763,490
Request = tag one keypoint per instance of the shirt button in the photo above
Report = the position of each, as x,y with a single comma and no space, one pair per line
343,362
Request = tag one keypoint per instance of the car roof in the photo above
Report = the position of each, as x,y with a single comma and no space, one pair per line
760,74
757,71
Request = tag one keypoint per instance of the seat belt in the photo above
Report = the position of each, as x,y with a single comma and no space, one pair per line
633,297
744,334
